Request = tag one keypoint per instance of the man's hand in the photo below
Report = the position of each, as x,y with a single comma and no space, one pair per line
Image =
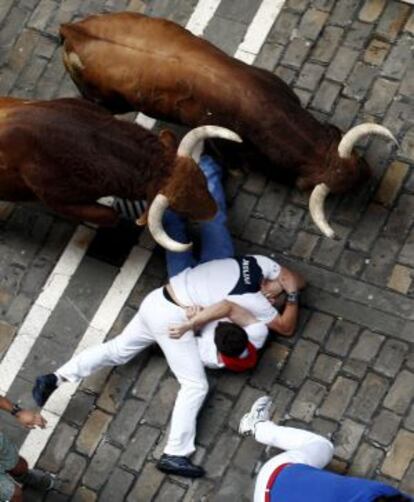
31,419
290,281
192,311
178,330
289,284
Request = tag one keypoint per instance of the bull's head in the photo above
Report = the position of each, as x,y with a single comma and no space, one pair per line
186,189
348,168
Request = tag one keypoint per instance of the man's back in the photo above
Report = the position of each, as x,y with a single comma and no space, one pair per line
213,281
207,283
298,482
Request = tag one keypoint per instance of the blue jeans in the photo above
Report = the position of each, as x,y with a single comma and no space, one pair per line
216,241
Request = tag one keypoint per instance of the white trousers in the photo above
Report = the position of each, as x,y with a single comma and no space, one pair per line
150,325
302,447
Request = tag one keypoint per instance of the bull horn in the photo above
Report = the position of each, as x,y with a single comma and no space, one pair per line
316,208
190,141
155,214
358,132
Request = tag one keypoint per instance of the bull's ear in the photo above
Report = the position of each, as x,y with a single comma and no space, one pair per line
168,139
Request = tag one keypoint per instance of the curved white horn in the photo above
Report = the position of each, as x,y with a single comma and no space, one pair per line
155,214
193,138
316,208
358,132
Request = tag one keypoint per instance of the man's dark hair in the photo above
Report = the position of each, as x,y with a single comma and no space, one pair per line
393,498
230,339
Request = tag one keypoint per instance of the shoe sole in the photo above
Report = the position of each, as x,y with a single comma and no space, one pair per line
175,473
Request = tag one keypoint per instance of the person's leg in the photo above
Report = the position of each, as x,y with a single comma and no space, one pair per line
9,491
33,478
301,446
119,350
216,241
312,449
9,460
184,361
176,227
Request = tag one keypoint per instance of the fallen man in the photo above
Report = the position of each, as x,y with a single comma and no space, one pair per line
297,474
155,317
14,471
160,311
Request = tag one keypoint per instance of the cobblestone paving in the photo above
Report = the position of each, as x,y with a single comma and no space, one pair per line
349,371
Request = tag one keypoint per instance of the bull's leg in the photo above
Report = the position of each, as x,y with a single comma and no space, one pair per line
94,213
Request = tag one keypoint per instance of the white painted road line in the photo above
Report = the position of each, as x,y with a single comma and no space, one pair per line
96,333
201,16
258,30
197,23
44,305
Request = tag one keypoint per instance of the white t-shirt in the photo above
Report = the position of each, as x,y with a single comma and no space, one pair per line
256,304
256,333
212,281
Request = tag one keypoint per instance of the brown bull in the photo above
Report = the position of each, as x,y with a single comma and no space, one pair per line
68,153
132,62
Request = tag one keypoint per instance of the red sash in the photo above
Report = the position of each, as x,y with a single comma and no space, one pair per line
272,479
240,364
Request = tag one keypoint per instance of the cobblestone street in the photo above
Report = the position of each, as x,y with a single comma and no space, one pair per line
348,373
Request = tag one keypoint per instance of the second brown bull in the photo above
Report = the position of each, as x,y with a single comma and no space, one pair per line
132,62
68,153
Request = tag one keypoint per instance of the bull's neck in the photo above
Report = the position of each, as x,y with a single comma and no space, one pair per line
144,179
291,136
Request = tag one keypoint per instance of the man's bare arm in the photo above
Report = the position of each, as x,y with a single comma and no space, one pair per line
219,310
5,404
286,276
28,418
285,324
211,313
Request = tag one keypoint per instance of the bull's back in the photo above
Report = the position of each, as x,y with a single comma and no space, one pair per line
130,61
12,186
72,146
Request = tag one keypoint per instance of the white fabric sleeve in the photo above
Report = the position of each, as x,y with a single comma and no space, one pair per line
270,268
257,305
257,334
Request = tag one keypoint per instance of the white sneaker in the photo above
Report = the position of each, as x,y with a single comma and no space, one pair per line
259,412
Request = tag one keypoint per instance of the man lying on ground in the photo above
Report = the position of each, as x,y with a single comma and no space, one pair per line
159,310
297,474
14,471
151,324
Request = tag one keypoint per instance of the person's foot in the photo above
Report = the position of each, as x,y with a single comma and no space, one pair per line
180,466
44,387
37,480
259,412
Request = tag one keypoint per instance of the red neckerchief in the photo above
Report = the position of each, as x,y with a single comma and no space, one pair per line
240,364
